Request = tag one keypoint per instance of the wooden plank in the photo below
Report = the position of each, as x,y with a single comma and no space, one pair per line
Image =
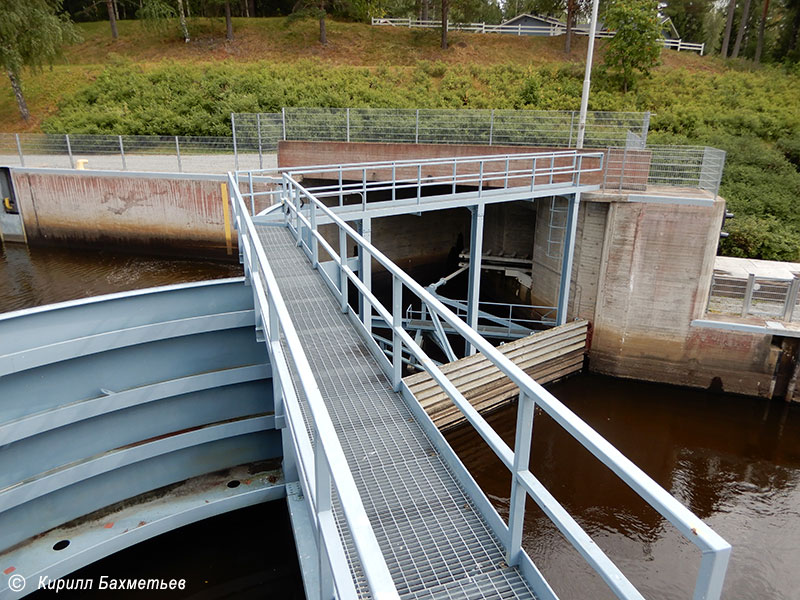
546,356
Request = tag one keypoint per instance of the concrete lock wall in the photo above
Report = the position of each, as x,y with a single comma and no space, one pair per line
153,211
657,265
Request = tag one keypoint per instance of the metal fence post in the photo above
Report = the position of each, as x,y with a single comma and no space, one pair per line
645,127
260,153
522,455
571,125
791,299
397,323
178,154
122,153
283,122
348,124
342,273
416,137
748,294
491,128
69,151
235,149
19,151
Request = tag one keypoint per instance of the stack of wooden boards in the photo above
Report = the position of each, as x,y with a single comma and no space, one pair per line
545,356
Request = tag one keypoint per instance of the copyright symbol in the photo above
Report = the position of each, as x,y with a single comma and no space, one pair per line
16,583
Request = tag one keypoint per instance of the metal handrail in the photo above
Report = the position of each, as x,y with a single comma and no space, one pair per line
715,550
328,464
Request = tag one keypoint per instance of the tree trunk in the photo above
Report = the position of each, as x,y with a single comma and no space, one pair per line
112,18
761,27
742,28
23,106
570,19
445,15
425,14
116,10
228,22
323,33
182,18
252,5
728,26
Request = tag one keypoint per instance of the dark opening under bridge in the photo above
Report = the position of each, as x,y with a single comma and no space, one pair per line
393,511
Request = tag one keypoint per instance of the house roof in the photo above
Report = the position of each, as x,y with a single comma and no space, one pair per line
550,20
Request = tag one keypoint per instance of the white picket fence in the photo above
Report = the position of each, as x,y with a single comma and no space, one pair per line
541,30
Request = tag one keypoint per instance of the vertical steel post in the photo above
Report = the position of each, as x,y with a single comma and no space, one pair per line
748,293
252,194
791,299
322,497
342,275
235,145
283,122
491,128
365,270
260,151
569,253
522,455
645,127
348,124
475,257
122,153
314,242
416,137
571,125
19,151
69,151
178,154
397,323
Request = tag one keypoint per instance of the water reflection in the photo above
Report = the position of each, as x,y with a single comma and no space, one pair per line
36,276
735,462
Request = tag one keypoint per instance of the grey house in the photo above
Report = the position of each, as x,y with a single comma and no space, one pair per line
544,24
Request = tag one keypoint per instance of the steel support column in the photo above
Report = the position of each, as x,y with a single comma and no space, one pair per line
475,253
569,252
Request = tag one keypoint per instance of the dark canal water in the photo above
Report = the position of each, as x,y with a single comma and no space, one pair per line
734,461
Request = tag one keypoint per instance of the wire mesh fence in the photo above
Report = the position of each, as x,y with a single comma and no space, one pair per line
695,167
629,163
127,152
437,126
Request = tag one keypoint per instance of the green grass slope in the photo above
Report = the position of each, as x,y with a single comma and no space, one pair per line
154,83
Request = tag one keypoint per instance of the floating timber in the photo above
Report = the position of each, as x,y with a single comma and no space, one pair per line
545,356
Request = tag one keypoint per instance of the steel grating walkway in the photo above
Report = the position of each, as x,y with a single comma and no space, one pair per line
435,543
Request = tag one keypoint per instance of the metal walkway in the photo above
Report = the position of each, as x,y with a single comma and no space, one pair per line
435,543
392,511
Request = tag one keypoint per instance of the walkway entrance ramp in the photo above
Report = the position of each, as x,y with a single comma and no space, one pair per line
545,356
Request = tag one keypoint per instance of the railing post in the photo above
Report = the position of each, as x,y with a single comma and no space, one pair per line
397,323
475,258
252,194
567,258
235,145
748,294
533,173
260,153
322,488
491,127
416,136
178,155
283,122
69,151
19,151
645,127
419,183
348,124
571,125
314,242
342,274
394,182
122,153
365,271
791,299
522,454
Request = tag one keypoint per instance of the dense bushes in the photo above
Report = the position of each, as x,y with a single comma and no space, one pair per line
754,116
